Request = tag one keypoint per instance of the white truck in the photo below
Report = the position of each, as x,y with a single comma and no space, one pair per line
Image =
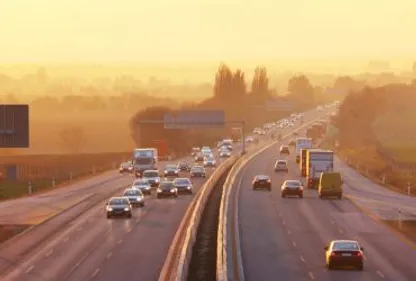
302,143
144,159
318,161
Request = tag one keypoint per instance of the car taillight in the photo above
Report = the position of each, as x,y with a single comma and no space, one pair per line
333,254
310,180
359,254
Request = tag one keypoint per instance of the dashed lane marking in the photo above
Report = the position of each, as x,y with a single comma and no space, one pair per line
49,253
109,255
380,274
302,259
311,276
95,272
30,268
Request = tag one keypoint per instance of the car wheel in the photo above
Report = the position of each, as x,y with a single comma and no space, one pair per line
283,196
129,216
330,266
158,196
340,197
142,205
270,189
108,216
361,267
301,196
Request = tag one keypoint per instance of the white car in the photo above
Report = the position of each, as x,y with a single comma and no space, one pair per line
209,162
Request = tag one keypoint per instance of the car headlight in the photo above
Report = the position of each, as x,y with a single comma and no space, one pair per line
147,187
268,180
126,209
159,190
139,198
166,172
157,180
172,190
188,187
109,209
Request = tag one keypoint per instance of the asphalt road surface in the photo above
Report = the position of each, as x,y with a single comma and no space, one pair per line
93,246
283,238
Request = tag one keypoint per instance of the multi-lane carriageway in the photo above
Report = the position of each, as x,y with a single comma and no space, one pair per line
283,238
87,246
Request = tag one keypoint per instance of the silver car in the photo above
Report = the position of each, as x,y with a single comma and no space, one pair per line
209,162
143,185
152,176
135,196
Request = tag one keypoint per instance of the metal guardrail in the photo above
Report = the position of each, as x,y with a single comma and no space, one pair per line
229,259
179,255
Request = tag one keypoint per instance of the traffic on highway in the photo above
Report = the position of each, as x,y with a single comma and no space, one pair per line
295,220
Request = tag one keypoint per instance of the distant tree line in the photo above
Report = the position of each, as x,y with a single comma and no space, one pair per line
231,94
381,117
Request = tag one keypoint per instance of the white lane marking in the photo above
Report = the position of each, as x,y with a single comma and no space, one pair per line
49,253
109,255
340,230
128,230
280,214
332,222
294,244
288,231
95,272
311,275
137,220
380,274
284,222
365,258
120,241
302,259
30,268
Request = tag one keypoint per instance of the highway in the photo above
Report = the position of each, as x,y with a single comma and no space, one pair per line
93,246
283,238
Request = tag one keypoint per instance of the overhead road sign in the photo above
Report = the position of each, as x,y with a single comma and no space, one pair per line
195,119
14,126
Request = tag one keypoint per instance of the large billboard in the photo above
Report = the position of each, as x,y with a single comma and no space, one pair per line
14,126
195,119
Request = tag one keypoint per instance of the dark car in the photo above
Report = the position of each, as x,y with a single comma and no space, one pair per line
292,143
284,149
126,167
152,176
199,157
183,185
171,170
262,181
118,206
143,185
135,196
344,253
292,188
198,172
166,189
183,166
281,165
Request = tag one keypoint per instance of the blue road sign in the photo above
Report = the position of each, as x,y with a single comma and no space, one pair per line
194,119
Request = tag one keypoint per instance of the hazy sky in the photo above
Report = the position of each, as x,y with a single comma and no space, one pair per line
157,30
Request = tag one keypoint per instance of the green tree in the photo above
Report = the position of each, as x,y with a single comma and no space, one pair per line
301,92
223,86
260,84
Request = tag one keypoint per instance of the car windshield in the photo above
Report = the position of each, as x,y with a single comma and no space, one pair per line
141,182
182,164
209,159
131,192
182,181
118,201
292,183
345,246
281,162
151,174
198,169
166,185
262,177
170,167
